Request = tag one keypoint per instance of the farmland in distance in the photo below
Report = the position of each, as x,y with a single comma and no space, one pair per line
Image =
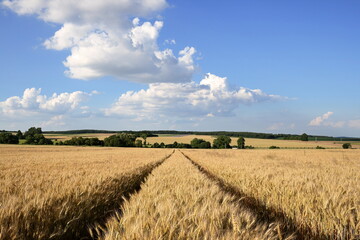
255,142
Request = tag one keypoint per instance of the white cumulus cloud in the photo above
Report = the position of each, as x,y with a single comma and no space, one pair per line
211,97
80,11
32,102
107,38
322,121
319,120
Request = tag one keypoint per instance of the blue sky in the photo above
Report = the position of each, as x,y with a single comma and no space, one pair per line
279,66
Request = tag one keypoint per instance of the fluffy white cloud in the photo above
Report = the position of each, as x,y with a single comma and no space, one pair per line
68,36
33,102
106,38
319,120
83,11
211,97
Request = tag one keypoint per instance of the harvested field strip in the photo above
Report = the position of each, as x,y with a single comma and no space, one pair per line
264,214
179,202
315,193
68,213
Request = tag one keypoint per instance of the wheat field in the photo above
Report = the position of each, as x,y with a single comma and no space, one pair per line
178,202
59,192
54,192
317,191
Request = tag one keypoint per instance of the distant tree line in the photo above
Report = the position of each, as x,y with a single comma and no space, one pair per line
173,145
72,132
80,141
220,142
131,139
81,131
35,136
303,137
226,133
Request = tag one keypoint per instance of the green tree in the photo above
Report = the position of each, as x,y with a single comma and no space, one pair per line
346,145
8,138
138,143
120,140
184,145
35,136
144,136
274,147
32,131
241,143
96,142
222,141
19,135
199,143
304,137
205,145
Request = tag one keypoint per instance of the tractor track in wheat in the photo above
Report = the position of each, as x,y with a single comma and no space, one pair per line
264,214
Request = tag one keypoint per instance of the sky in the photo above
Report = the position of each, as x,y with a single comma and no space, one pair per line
261,66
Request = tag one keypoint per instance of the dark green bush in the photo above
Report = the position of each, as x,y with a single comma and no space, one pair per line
346,145
120,140
8,138
200,143
222,142
274,147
